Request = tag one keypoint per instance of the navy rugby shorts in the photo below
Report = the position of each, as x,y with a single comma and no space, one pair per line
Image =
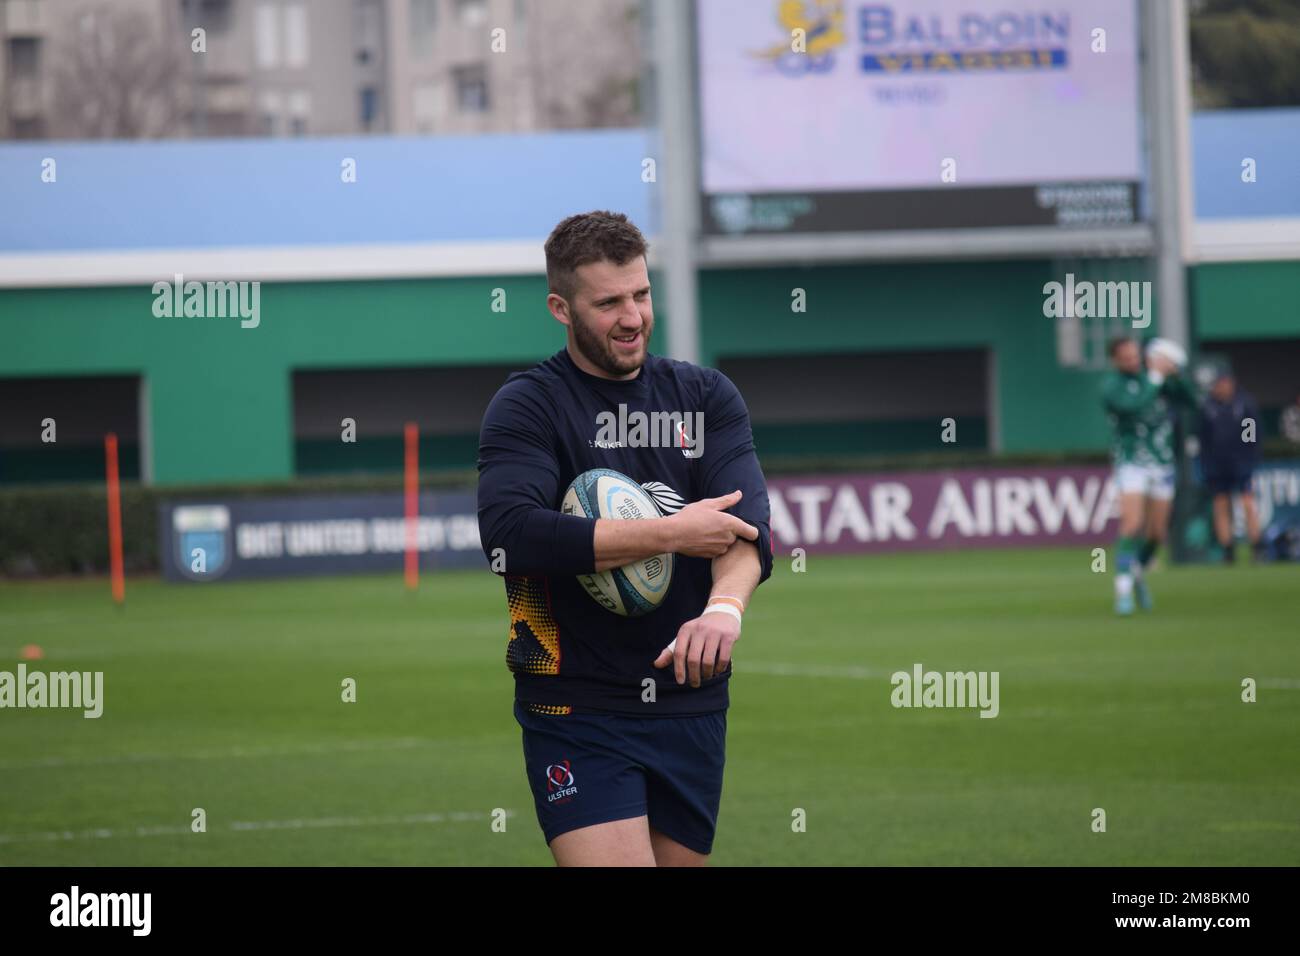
586,769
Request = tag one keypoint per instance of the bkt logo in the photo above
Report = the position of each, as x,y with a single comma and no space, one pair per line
559,782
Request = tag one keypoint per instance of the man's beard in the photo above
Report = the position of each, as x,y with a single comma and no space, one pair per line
598,351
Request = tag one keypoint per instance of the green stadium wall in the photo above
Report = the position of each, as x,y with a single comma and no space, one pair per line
219,397
1246,300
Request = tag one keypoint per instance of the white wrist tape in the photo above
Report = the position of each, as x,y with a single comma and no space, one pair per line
722,608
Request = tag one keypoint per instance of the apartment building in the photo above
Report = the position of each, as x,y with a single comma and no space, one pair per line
316,67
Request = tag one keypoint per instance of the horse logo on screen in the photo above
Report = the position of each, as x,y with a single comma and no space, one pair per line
822,23
202,536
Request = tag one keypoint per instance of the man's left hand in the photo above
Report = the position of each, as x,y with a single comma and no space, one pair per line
701,648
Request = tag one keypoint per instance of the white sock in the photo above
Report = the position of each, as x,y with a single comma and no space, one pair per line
1123,585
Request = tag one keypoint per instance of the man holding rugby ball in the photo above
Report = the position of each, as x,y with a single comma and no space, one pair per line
623,718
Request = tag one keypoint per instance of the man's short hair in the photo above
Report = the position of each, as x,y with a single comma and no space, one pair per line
1116,342
589,237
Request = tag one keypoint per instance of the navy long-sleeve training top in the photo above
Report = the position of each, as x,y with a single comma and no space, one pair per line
545,427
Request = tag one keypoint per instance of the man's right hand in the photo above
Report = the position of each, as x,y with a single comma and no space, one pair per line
703,529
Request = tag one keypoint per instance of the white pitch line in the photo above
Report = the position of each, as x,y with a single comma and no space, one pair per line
850,672
1203,703
350,746
805,670
249,826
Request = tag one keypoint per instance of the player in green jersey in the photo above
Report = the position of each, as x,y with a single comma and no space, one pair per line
1139,399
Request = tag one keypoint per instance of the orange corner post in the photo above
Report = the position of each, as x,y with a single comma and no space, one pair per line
114,518
412,505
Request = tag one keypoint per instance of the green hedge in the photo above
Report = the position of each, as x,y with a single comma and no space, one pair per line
63,529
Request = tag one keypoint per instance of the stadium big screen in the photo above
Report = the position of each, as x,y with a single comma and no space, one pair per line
935,114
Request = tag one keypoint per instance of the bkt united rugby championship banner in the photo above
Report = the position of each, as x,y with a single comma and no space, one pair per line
249,538
917,114
852,513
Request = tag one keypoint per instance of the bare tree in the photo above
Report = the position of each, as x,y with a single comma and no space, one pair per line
117,74
585,63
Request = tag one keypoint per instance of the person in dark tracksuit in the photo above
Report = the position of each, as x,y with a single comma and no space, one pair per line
1229,455
623,719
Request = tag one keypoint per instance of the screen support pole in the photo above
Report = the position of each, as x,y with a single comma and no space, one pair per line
673,119
1168,109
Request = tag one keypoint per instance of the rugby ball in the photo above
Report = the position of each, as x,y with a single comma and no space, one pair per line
1170,350
634,589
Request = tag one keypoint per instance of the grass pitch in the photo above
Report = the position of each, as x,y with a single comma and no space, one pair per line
227,698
